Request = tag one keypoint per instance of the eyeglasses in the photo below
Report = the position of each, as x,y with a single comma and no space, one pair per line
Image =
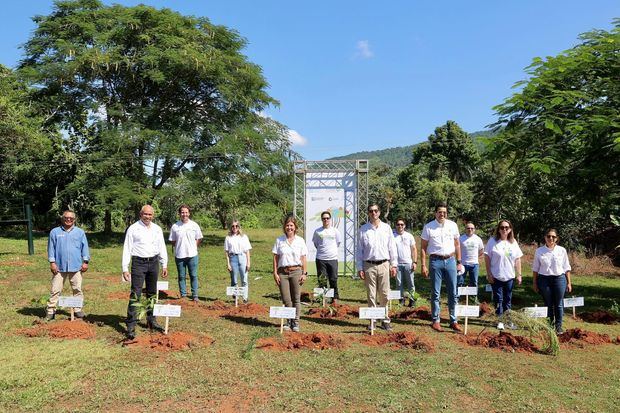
325,218
69,218
400,225
373,210
470,228
551,236
504,227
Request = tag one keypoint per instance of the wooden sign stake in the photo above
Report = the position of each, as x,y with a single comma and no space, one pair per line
372,327
281,326
166,326
466,303
157,296
73,314
236,301
574,313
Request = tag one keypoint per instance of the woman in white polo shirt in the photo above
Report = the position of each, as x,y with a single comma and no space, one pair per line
237,250
551,271
289,267
502,256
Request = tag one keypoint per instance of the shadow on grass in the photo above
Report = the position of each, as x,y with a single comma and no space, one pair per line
329,321
33,311
254,322
115,321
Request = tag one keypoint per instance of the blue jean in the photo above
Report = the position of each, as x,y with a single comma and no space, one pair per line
443,270
502,295
552,289
404,279
184,266
238,263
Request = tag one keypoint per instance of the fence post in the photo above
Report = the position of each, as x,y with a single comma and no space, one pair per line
30,240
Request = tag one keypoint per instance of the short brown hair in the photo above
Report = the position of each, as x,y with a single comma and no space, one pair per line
184,206
290,218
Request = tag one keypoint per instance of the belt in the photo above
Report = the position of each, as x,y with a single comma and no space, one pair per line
232,253
441,257
289,269
145,259
379,262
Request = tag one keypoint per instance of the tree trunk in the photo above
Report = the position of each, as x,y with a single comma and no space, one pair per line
107,221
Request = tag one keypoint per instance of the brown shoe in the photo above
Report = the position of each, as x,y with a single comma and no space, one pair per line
456,327
436,326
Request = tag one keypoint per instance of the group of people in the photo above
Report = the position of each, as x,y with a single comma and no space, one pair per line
381,255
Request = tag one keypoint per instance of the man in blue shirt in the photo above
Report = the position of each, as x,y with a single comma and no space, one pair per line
68,255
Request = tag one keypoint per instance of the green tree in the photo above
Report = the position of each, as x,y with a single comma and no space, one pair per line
148,95
561,133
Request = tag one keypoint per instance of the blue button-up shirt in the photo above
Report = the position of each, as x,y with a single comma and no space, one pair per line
68,249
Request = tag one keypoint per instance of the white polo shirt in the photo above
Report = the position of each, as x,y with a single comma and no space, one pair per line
470,248
551,261
237,244
503,255
289,255
404,242
185,235
440,237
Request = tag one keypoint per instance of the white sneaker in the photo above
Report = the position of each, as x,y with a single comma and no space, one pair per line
500,326
512,326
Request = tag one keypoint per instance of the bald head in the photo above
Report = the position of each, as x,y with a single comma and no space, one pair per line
146,214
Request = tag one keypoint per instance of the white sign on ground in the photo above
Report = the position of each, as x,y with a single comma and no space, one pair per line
468,291
282,312
573,302
373,313
238,291
467,310
71,301
394,295
536,312
162,285
325,292
167,310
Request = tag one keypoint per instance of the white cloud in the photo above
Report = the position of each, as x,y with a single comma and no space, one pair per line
296,138
363,50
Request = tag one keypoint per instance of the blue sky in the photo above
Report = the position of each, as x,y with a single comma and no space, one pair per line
361,75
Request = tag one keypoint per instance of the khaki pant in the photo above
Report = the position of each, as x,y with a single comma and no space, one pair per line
291,290
377,282
58,280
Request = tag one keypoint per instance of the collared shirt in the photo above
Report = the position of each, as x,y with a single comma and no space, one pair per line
185,235
289,254
551,261
404,242
440,237
375,244
237,244
503,255
326,242
68,249
145,242
470,248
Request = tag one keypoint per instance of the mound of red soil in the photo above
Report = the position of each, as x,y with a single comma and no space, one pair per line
174,341
335,311
164,294
486,308
577,336
405,339
119,295
60,329
421,313
296,341
600,317
502,341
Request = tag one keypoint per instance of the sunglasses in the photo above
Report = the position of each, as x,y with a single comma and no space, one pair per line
235,226
470,228
551,236
324,218
504,227
400,225
68,218
373,210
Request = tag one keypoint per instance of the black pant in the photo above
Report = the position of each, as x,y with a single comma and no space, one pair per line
142,270
329,269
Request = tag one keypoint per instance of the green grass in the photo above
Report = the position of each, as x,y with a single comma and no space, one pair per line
101,375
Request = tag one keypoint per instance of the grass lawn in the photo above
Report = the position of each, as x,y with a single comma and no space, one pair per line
232,375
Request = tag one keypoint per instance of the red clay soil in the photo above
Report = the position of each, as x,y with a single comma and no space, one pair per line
405,339
219,308
65,329
600,317
335,311
421,313
119,295
503,341
163,294
486,308
577,336
297,341
172,342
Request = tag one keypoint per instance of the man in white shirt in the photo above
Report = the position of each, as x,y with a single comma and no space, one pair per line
145,247
326,240
376,259
407,261
440,241
186,236
472,249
